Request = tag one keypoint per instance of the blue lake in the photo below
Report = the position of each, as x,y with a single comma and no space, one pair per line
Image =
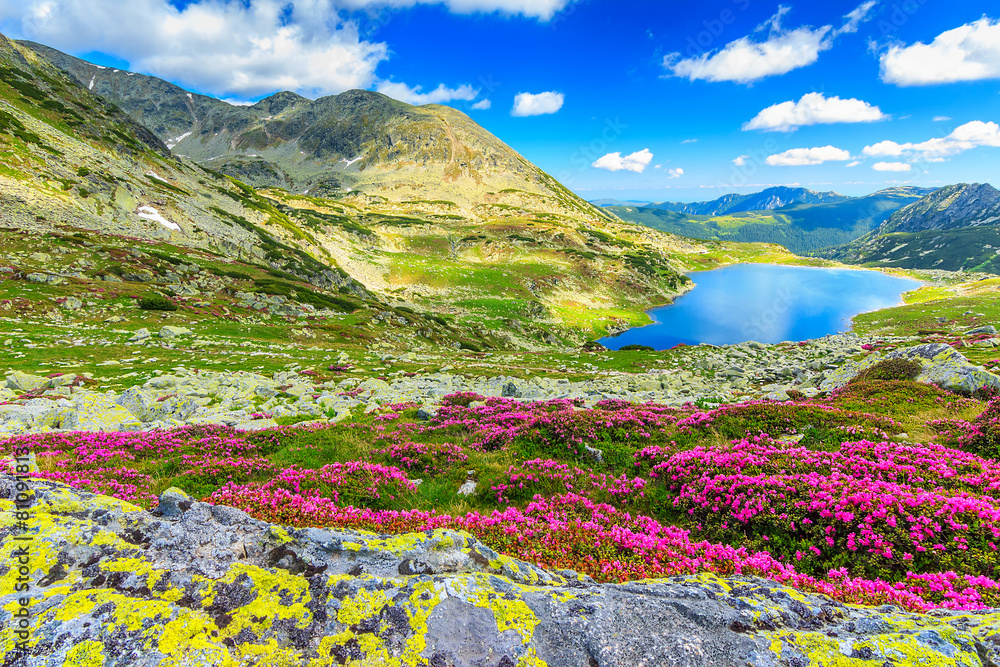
766,303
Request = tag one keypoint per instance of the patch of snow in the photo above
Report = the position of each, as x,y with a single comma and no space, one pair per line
190,97
173,142
91,86
150,213
100,67
115,71
350,162
155,175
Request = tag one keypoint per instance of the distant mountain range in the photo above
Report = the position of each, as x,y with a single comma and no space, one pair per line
954,228
620,202
799,219
765,200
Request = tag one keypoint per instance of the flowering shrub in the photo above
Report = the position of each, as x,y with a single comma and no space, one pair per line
620,491
980,436
429,459
546,477
882,508
356,482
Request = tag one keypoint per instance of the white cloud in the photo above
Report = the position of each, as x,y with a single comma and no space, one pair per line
798,157
529,104
813,109
962,138
540,9
636,162
746,60
675,173
230,49
968,53
238,49
482,105
440,95
690,141
741,160
891,166
941,119
855,163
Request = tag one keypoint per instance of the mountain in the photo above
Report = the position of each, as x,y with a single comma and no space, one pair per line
444,255
358,140
955,228
764,200
800,227
951,207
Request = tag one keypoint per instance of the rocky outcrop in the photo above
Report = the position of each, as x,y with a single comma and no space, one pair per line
196,584
951,207
941,365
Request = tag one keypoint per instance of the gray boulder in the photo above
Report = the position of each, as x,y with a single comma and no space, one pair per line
71,303
141,334
941,365
947,368
173,332
19,381
141,404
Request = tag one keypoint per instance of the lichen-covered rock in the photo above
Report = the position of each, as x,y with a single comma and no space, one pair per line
19,381
947,368
111,584
97,412
170,331
140,403
941,365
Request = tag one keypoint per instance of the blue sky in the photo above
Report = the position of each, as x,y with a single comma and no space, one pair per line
634,100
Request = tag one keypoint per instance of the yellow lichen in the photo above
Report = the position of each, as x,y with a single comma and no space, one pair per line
85,654
364,605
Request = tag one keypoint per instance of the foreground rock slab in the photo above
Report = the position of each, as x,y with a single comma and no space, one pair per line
111,584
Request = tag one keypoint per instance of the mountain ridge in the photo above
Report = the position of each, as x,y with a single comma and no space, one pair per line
355,141
765,200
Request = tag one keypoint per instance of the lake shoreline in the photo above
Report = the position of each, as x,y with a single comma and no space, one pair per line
774,289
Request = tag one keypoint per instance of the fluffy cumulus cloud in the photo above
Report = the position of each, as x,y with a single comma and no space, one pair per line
440,95
891,166
636,162
968,53
237,49
537,104
675,173
800,157
962,138
741,160
482,105
750,59
813,109
539,9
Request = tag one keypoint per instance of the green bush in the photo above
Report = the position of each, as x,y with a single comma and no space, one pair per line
636,348
156,302
890,369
